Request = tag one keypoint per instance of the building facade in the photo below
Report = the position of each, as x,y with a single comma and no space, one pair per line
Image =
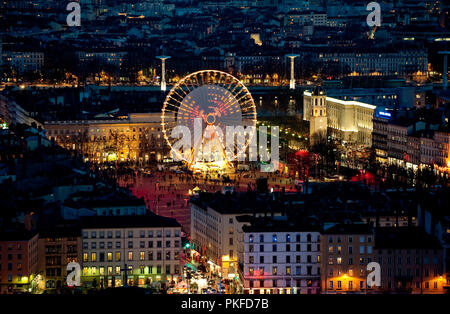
147,248
281,259
349,121
57,248
137,137
18,261
346,250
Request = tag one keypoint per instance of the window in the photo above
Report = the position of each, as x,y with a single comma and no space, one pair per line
93,257
130,255
288,270
130,234
261,259
339,260
274,248
117,234
361,249
251,259
250,239
274,270
261,238
261,271
250,271
117,256
130,244
109,256
274,238
288,238
330,249
142,256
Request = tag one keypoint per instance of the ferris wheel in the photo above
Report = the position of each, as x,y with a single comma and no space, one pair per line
217,98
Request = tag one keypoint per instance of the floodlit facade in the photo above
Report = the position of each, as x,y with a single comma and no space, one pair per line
136,137
349,121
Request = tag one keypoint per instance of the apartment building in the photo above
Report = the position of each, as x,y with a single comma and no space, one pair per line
58,247
24,61
147,248
281,257
18,260
346,249
411,261
216,229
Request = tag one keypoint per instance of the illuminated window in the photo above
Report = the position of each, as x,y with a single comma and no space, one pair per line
130,256
109,256
330,249
274,270
117,270
93,257
102,271
117,256
251,271
142,256
339,260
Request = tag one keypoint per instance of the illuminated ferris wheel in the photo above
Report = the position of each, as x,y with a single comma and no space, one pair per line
215,98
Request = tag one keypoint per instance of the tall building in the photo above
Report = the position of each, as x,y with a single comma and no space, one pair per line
281,257
147,248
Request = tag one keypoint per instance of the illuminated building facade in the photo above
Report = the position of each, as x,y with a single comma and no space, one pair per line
149,247
137,137
281,258
409,144
349,121
346,249
19,260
